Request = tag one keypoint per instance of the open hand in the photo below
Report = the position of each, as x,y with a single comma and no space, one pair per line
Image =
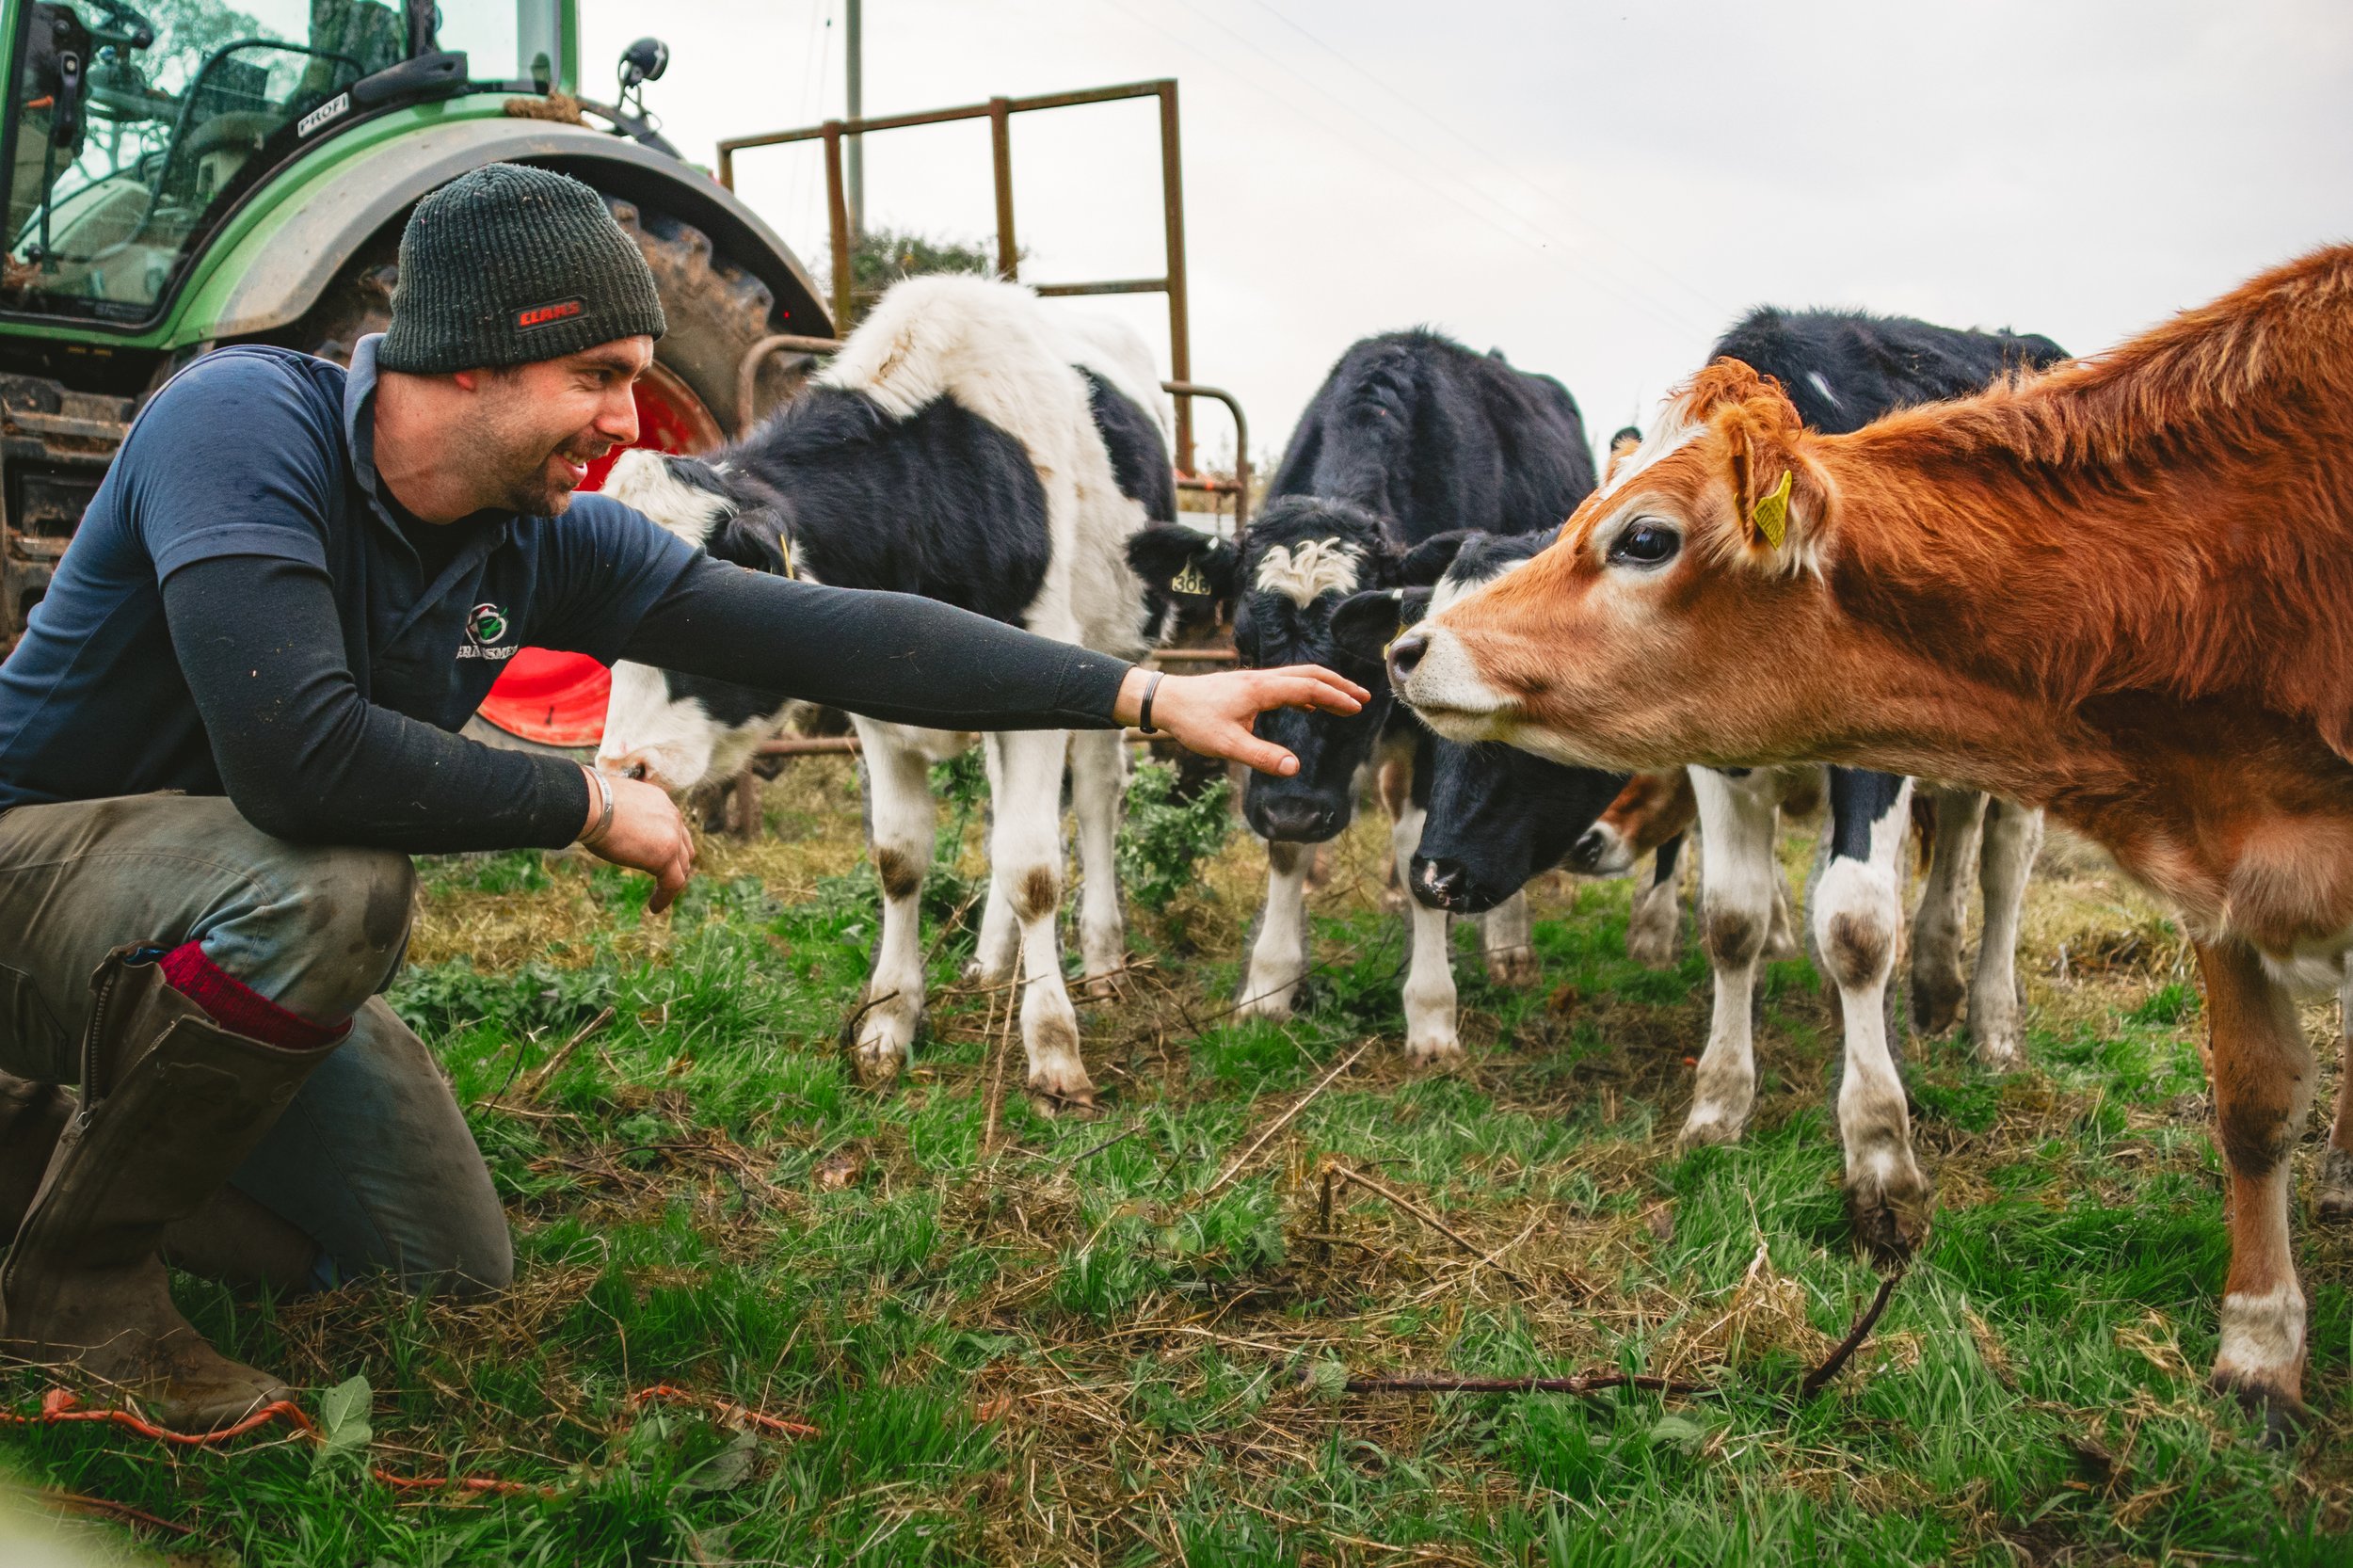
647,835
1212,713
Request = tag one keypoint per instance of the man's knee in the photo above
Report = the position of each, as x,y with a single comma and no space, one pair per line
341,922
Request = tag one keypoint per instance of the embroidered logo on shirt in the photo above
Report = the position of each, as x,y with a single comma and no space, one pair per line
486,625
539,316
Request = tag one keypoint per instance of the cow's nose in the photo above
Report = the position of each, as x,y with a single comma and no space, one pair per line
1405,655
1441,884
1287,819
632,764
1585,854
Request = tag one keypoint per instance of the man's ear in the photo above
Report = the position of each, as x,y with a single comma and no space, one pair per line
1426,561
1364,624
1184,561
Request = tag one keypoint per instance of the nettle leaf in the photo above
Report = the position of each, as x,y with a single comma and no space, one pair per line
725,1470
1678,1432
344,1431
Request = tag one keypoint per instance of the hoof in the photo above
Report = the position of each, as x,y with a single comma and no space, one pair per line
1440,1051
2332,1194
878,1064
2272,1397
1075,1101
2000,1051
1891,1218
1110,986
976,973
1709,1126
1935,1004
1518,968
1655,950
1273,1002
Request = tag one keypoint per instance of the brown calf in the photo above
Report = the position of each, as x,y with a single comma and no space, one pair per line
2123,589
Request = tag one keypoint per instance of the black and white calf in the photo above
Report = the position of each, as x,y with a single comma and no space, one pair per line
1411,436
1842,371
973,445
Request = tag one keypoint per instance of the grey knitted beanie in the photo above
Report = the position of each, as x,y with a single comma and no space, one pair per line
507,264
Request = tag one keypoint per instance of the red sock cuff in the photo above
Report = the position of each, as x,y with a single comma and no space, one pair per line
236,1006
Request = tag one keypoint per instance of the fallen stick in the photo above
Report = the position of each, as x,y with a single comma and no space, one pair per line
1280,1123
1432,1222
541,1075
1583,1383
1816,1379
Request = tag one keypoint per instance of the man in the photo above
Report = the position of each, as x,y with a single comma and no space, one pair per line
233,719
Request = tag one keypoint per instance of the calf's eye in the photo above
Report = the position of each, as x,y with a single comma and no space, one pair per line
1644,544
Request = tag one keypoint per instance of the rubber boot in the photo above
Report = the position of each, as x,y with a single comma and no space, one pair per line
171,1104
31,1116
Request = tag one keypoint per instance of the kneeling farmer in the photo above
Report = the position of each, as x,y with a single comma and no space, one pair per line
232,721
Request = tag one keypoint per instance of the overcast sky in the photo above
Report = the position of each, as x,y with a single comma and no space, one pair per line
1598,190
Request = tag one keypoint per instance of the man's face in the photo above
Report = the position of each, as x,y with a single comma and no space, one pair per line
531,430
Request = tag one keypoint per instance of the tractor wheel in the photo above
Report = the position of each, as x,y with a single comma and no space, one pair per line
686,403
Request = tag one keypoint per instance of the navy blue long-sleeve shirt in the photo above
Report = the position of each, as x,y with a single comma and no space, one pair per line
242,613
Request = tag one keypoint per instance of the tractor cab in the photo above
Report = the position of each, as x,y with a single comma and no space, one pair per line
130,133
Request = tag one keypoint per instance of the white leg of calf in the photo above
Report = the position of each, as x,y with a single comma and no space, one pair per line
1025,857
1858,916
1738,875
1654,928
1997,1021
999,941
1941,926
2332,1192
1098,779
1430,1034
1507,941
1278,959
1781,934
900,813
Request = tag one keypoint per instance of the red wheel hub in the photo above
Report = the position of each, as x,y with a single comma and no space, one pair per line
559,699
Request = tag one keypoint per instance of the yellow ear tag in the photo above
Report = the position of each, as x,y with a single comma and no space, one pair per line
1189,581
1771,515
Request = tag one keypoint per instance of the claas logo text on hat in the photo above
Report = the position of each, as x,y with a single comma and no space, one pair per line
539,316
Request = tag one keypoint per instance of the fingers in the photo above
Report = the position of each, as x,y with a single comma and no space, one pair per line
670,877
1265,756
1329,682
1307,686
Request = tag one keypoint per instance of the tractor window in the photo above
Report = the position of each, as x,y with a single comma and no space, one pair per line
132,127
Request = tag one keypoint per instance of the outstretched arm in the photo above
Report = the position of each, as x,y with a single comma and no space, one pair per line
916,661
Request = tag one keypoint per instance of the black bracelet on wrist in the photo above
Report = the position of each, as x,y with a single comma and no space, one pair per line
1144,710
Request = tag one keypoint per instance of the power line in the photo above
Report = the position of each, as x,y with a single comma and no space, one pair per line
1501,165
1627,294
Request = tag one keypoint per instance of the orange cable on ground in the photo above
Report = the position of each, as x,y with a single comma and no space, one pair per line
59,1406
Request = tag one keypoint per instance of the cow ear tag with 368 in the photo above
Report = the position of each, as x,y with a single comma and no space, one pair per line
1771,513
1189,581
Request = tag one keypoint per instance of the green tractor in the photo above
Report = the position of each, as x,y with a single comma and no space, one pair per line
182,174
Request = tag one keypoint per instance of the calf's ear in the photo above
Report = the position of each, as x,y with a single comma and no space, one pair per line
755,536
1184,561
1426,561
1364,624
1625,444
1778,496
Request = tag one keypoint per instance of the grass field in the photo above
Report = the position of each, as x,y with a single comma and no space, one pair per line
1029,1340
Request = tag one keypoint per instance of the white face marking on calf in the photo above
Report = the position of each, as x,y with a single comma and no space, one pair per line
1313,568
1449,588
645,481
1671,431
